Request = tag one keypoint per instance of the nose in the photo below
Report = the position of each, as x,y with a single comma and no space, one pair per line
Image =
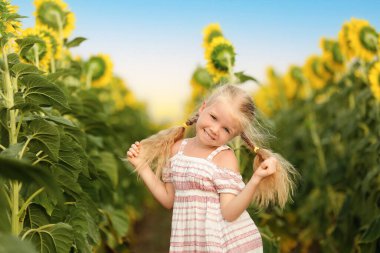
214,130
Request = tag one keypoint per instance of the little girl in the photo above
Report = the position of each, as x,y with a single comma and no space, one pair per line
201,180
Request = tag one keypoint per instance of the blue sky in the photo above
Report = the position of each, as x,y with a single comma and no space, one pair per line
156,45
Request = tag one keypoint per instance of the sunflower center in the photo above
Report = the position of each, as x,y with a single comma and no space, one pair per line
97,67
49,12
223,57
337,54
297,75
368,38
316,67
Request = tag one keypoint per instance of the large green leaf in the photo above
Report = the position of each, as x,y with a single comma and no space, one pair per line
46,135
119,222
78,217
72,157
12,244
75,42
51,238
41,91
23,171
36,216
109,166
20,69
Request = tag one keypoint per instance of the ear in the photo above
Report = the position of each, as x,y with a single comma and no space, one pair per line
203,106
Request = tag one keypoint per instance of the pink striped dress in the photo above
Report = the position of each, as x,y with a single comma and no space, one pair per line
197,222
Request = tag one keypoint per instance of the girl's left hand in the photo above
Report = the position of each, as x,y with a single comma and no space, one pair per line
266,168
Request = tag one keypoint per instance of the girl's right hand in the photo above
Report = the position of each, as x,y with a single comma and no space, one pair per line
133,154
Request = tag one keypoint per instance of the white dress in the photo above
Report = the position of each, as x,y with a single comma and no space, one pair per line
197,222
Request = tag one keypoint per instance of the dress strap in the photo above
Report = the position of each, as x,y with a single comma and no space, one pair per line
181,148
216,151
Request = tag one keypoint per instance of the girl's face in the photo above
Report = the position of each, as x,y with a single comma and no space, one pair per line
216,124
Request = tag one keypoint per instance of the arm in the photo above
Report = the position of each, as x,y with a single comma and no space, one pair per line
163,192
233,206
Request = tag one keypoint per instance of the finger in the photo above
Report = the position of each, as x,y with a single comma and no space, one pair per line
129,154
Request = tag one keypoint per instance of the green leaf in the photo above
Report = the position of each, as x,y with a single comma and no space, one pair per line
72,157
109,166
23,171
20,69
13,58
26,44
36,216
78,218
12,244
41,91
46,135
13,150
51,238
244,78
119,221
373,231
75,42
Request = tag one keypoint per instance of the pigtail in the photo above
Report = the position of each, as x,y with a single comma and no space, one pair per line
155,150
277,188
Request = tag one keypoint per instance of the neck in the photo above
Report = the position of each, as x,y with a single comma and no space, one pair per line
197,143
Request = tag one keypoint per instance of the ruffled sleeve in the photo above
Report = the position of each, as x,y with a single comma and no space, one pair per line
228,181
167,173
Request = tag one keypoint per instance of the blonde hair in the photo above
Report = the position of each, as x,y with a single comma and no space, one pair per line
276,188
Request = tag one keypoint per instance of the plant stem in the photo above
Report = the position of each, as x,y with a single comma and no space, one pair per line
14,185
36,56
27,202
317,142
89,79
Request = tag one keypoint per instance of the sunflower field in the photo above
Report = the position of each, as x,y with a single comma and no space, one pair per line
64,186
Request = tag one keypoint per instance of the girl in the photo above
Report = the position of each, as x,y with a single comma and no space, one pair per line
201,179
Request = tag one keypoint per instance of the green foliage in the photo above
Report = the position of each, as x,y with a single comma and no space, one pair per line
60,149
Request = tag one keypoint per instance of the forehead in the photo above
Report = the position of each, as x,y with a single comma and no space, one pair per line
226,112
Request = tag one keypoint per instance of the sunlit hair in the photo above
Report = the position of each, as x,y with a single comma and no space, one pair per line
274,189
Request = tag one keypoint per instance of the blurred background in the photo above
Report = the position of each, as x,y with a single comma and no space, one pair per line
82,80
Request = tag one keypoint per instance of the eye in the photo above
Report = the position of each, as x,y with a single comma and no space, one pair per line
212,116
227,130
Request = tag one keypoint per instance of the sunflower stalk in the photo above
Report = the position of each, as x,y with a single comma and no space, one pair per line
89,78
36,56
317,142
12,130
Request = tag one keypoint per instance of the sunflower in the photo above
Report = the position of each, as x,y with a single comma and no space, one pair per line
98,70
316,72
344,41
293,82
56,44
332,55
266,99
210,32
55,15
220,56
35,48
374,80
364,39
9,19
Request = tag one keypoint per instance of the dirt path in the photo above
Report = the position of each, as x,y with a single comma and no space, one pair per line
153,232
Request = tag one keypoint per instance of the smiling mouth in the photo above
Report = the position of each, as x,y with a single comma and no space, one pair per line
209,135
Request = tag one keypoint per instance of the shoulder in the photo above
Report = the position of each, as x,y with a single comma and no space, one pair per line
176,147
227,159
